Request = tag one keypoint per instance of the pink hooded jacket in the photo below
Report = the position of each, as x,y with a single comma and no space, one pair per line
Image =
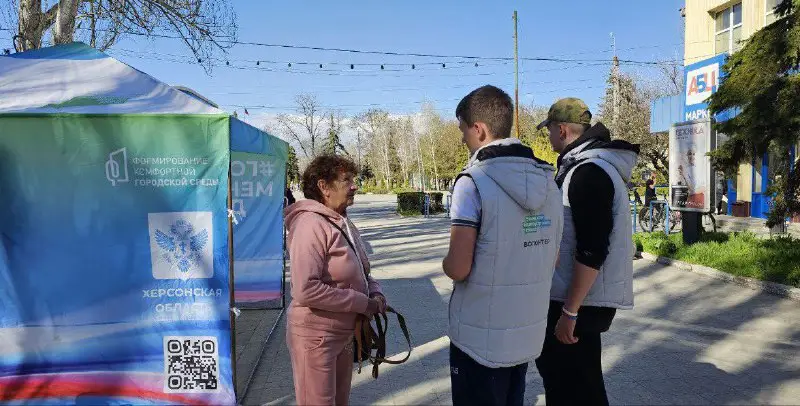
329,288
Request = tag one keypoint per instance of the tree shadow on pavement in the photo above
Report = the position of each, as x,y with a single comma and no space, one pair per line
689,340
697,340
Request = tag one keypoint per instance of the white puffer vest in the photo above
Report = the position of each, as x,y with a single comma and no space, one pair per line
614,285
498,315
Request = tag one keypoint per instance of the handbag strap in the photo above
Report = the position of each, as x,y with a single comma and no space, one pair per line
367,337
344,233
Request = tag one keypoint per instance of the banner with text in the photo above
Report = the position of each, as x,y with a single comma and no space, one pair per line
114,265
258,182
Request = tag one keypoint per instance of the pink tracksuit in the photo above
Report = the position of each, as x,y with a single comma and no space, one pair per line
329,289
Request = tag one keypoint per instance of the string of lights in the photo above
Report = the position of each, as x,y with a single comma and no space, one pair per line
338,72
396,53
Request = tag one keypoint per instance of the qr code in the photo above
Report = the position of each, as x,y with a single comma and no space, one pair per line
191,364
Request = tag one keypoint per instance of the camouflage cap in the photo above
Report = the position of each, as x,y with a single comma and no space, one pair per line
569,110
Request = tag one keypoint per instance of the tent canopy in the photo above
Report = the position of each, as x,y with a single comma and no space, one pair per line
76,78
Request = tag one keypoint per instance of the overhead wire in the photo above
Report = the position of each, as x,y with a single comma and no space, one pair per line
324,72
365,105
461,61
393,53
400,89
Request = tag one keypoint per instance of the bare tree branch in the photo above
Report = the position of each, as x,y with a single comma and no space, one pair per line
204,26
305,127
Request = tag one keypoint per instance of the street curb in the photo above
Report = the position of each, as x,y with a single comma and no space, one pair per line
772,288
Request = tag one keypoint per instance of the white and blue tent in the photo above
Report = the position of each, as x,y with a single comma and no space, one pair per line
115,269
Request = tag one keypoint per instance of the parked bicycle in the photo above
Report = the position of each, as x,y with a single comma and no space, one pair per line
657,219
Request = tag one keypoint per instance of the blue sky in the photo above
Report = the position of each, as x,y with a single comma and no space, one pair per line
578,29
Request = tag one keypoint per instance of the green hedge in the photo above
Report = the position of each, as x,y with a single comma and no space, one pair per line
410,203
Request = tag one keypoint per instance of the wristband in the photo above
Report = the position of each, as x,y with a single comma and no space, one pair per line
570,315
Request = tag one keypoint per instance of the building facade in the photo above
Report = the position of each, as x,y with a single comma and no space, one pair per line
713,30
715,27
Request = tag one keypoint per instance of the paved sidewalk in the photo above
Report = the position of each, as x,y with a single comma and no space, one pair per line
252,328
690,340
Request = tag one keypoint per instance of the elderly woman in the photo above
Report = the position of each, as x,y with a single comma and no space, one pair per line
331,284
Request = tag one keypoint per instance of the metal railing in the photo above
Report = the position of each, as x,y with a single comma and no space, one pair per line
635,215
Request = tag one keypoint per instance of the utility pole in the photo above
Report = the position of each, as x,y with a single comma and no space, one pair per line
615,79
516,76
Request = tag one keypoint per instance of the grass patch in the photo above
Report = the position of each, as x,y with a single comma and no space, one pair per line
409,213
742,254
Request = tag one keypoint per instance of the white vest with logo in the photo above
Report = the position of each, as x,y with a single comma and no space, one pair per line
498,315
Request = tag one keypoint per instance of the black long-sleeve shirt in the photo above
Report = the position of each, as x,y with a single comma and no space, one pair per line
591,197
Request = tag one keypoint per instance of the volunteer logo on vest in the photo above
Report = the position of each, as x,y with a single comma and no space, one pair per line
534,223
181,245
543,241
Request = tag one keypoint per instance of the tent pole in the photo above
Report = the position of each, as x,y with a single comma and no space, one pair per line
283,231
230,277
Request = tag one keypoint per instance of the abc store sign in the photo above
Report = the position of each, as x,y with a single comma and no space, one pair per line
702,80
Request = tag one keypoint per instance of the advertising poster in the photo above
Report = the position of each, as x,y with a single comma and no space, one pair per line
114,267
690,167
258,182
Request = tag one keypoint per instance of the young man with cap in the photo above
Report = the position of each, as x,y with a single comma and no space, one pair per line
594,275
506,223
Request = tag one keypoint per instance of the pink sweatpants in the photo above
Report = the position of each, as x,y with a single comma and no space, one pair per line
322,366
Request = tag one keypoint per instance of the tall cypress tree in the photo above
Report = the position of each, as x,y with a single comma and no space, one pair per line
762,82
333,142
292,166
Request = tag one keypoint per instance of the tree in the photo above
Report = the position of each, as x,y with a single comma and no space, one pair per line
305,127
761,81
396,168
375,125
292,166
202,25
538,140
632,121
671,81
431,120
359,144
366,174
333,142
449,155
406,147
417,148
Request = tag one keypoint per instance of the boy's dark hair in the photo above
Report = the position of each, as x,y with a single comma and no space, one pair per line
489,105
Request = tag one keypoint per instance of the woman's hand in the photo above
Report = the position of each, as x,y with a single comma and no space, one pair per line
382,302
373,307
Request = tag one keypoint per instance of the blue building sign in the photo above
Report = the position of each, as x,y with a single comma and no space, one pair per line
702,80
